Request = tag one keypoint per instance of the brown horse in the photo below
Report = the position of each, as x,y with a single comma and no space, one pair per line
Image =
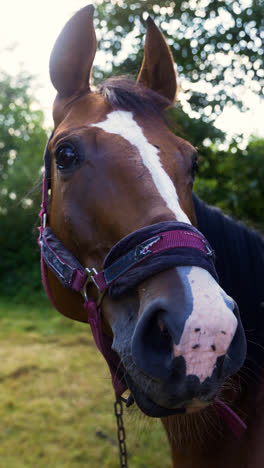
116,168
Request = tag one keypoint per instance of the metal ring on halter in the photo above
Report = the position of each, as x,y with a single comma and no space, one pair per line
90,279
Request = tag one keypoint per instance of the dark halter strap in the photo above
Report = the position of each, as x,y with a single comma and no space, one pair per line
138,256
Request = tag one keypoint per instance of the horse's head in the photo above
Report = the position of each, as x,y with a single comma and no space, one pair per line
116,168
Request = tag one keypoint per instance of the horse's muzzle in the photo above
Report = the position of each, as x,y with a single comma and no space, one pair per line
184,370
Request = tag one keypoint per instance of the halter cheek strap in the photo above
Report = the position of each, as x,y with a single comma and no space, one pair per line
75,279
134,258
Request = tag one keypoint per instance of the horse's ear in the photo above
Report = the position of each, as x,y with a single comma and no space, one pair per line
73,54
157,69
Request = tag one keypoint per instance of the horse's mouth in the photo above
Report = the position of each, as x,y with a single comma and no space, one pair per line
154,410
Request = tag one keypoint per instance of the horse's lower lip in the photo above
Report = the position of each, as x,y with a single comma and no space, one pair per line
149,407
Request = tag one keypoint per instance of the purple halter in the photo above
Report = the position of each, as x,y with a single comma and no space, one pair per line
134,258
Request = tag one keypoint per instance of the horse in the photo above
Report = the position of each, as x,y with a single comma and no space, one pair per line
118,198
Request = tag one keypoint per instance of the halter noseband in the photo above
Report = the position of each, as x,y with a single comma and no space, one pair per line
139,255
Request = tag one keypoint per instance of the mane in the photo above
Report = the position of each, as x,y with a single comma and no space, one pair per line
125,94
240,266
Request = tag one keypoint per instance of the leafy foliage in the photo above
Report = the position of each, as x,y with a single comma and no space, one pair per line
233,180
22,140
217,44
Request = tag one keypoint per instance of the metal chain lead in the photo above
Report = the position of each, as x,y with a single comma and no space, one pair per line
121,434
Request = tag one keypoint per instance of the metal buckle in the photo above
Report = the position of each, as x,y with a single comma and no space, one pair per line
210,252
90,279
44,220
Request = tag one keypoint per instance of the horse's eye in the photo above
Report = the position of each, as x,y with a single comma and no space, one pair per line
66,157
195,166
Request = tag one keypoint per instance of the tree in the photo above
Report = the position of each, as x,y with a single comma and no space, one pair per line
216,44
22,140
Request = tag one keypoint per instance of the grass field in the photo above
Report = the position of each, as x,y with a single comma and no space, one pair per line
56,398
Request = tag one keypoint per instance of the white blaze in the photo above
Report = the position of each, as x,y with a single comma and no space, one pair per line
210,328
122,123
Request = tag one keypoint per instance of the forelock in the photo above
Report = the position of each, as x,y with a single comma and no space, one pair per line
124,94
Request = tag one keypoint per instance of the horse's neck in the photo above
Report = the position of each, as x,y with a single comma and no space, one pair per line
200,440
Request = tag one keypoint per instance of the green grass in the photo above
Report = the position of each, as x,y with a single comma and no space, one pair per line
56,398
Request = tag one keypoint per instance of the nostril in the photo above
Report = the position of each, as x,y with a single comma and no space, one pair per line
152,345
157,336
164,330
161,324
